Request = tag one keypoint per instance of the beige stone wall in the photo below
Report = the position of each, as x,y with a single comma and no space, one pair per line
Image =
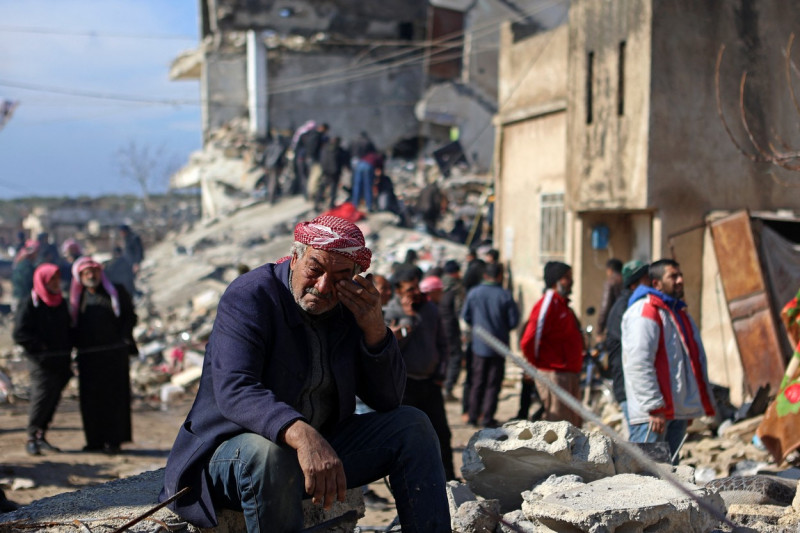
608,158
532,163
533,73
694,166
530,150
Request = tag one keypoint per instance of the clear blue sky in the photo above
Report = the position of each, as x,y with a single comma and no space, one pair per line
51,51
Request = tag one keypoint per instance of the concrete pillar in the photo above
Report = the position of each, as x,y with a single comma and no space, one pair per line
257,95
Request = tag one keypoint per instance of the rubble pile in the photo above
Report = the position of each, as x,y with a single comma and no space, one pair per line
184,277
552,476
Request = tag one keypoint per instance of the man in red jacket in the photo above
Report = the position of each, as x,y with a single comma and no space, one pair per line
553,343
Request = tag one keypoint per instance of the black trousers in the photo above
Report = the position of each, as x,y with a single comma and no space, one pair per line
526,396
48,379
487,378
454,359
426,396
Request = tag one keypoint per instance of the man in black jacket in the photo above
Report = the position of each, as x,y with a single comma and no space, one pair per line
634,273
415,322
312,142
333,159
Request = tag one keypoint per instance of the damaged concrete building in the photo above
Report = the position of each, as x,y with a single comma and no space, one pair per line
609,144
415,75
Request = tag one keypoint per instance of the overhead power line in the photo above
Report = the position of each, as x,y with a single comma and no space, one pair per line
98,95
451,40
90,33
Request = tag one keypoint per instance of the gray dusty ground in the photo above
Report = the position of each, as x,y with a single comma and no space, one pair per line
154,431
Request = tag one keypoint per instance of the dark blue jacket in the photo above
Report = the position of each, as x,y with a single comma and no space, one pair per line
254,370
491,306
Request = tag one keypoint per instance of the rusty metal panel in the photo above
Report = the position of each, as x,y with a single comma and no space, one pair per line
748,302
737,256
760,351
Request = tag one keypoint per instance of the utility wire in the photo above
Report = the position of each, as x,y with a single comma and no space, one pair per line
94,34
638,455
443,41
98,95
328,77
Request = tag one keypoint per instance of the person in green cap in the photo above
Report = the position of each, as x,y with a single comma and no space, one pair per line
634,274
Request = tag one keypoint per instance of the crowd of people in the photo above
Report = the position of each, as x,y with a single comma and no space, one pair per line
312,162
65,303
655,355
317,378
296,344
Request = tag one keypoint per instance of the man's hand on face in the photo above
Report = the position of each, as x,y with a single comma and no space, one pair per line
361,297
322,468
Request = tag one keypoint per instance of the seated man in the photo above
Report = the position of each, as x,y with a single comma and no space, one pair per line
293,343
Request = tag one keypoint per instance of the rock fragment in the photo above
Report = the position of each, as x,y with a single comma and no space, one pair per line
503,462
624,503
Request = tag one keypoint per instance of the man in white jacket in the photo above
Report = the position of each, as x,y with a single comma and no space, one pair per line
666,375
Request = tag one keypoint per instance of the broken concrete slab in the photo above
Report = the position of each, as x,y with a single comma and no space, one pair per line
476,516
457,495
753,515
519,521
503,462
624,503
552,485
117,502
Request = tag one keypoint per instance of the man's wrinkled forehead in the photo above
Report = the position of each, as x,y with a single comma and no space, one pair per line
326,260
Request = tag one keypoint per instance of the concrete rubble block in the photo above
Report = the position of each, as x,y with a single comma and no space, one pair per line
502,462
229,521
552,485
796,501
519,521
151,349
187,377
193,358
477,516
205,301
115,503
747,515
458,494
624,503
743,430
624,463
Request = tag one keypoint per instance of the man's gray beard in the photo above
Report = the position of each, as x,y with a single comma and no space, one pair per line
298,299
91,284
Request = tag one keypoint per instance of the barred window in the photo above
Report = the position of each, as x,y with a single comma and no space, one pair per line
552,237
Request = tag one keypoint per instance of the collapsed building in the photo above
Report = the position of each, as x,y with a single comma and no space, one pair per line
415,76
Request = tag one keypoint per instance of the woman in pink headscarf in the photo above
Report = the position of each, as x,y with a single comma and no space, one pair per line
42,327
103,318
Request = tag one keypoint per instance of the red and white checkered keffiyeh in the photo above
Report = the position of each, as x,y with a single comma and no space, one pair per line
334,234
